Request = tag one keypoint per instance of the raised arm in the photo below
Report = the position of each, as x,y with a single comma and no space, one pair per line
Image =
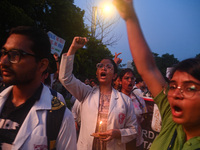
78,42
77,88
140,51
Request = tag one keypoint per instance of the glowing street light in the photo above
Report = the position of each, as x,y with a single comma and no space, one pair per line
106,8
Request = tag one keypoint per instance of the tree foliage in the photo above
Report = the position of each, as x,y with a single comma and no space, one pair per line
61,17
163,62
198,56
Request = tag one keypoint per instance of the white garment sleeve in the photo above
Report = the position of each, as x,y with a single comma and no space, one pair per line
77,88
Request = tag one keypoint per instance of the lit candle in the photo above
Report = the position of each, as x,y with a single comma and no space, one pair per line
100,126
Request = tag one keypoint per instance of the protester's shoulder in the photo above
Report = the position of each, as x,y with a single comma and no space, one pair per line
162,96
6,91
137,91
94,89
123,96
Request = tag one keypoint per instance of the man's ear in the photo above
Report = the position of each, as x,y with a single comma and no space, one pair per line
43,64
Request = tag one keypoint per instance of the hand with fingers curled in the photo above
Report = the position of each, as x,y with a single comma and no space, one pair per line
117,60
109,135
125,8
77,43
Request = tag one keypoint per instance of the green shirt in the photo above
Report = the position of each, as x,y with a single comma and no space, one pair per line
168,128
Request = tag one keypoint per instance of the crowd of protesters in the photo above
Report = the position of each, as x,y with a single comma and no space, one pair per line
105,113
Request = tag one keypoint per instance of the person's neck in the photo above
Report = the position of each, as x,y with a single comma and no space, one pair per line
105,89
192,131
21,93
126,92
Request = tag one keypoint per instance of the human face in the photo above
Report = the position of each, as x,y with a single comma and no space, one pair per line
127,82
185,110
105,75
25,70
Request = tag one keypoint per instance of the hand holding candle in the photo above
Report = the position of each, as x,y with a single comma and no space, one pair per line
96,135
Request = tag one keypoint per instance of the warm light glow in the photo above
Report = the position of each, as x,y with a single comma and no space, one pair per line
100,126
107,8
100,122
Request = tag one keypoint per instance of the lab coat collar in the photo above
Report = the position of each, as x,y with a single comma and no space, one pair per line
96,94
4,95
113,100
32,118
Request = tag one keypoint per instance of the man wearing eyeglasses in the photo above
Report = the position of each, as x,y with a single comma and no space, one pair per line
24,105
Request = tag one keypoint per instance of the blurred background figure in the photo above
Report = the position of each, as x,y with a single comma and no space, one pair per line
93,83
140,88
127,81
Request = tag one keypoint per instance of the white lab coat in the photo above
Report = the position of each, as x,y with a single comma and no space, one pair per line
120,116
32,134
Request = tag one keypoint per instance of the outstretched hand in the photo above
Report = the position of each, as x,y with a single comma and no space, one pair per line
78,42
125,8
117,60
110,134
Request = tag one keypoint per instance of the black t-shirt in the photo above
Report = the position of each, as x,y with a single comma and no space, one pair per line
11,117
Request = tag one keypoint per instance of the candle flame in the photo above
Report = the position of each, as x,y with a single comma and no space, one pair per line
100,122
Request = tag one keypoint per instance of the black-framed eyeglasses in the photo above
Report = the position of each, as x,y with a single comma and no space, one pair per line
187,89
14,55
107,66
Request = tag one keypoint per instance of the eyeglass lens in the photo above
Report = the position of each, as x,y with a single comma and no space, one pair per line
107,66
188,90
13,55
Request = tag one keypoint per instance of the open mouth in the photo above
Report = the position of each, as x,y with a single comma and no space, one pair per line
103,74
130,85
177,109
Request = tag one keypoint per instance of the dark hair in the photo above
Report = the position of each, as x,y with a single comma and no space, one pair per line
93,80
41,44
124,71
114,64
138,80
190,66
